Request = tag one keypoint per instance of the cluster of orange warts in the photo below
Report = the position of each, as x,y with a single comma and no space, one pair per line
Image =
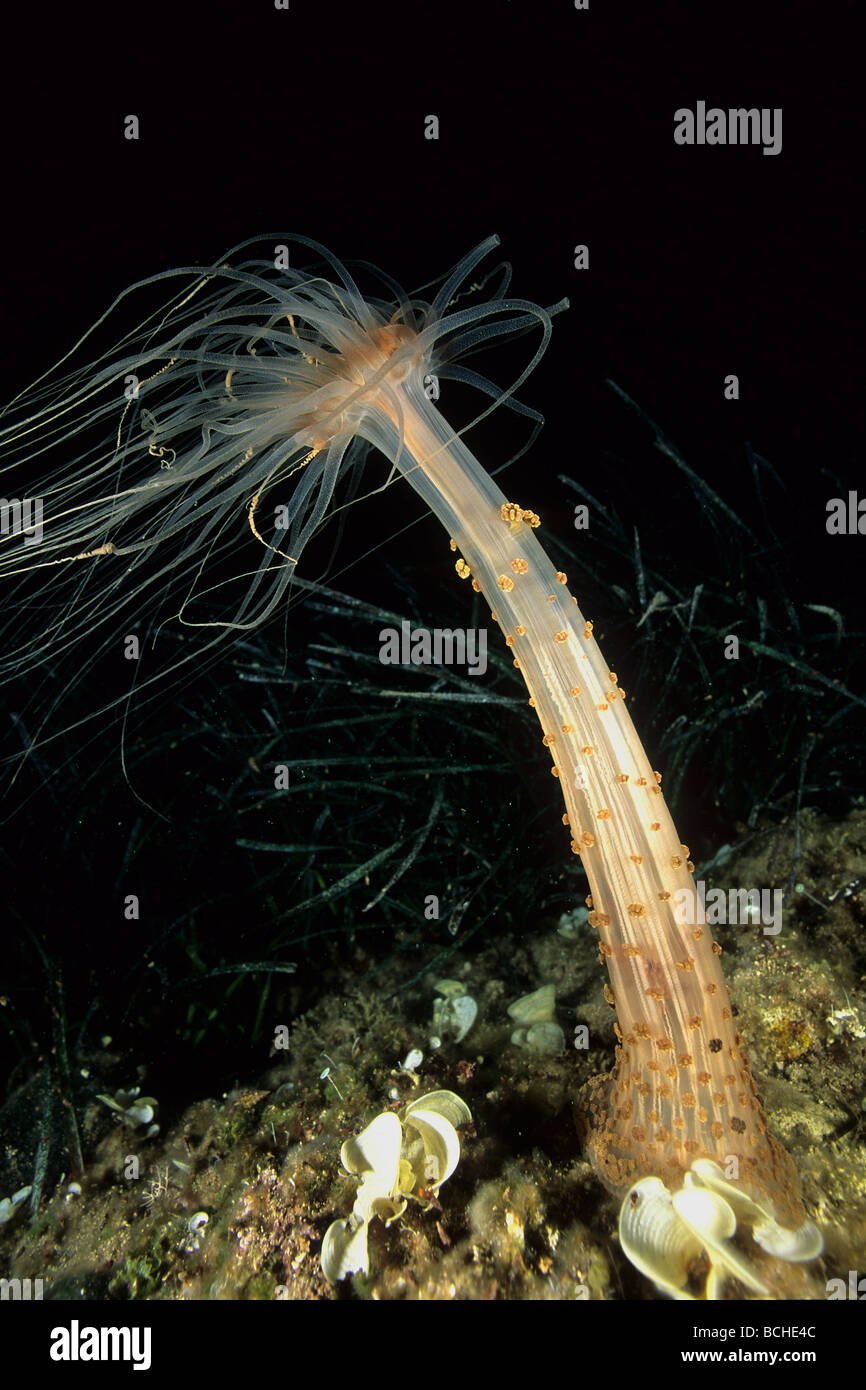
515,516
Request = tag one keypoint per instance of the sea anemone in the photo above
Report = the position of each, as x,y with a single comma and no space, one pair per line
243,409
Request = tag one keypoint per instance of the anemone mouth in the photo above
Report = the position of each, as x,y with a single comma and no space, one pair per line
366,378
389,337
